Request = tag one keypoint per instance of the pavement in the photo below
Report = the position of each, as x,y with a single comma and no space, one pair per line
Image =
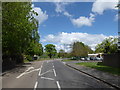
15,79
108,78
51,74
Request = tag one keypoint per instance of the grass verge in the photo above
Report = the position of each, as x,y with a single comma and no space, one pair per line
101,67
42,59
25,61
67,60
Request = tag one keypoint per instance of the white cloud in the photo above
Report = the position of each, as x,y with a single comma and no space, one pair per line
67,14
59,7
42,16
117,17
59,0
84,21
99,6
63,38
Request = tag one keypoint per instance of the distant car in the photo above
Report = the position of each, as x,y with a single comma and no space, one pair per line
74,58
82,58
92,58
87,58
97,58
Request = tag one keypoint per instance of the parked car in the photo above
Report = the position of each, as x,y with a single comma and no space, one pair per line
82,58
87,58
92,58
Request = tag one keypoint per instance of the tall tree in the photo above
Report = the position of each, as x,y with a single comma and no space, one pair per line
50,50
61,53
79,49
19,27
109,45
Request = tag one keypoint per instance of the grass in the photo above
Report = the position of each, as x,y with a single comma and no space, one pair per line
101,67
67,60
25,61
42,59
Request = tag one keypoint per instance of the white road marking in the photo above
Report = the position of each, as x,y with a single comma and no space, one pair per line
25,72
39,72
46,72
64,62
54,72
53,66
20,75
58,85
29,69
35,85
47,78
40,69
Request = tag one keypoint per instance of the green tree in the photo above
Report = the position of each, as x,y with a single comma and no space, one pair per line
19,27
89,50
108,46
79,49
50,50
35,48
61,53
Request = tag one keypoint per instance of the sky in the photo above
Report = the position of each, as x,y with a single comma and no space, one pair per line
62,23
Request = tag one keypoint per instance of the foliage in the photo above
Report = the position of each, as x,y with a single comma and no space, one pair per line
61,53
19,29
79,49
50,50
108,46
35,48
44,55
29,58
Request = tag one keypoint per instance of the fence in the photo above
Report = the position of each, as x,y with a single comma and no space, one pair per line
112,60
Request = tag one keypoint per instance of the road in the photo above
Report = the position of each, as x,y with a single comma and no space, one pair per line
53,74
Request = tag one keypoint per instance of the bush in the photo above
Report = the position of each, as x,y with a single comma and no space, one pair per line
29,58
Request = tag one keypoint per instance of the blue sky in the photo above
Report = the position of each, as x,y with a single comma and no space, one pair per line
81,21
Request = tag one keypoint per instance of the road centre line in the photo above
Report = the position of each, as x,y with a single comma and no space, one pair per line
54,72
58,85
47,78
39,72
35,85
40,69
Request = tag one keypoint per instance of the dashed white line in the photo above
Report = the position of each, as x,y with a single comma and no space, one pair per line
47,78
40,69
35,85
64,62
39,72
58,85
53,66
54,72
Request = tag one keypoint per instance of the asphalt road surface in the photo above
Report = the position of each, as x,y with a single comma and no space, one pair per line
51,74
